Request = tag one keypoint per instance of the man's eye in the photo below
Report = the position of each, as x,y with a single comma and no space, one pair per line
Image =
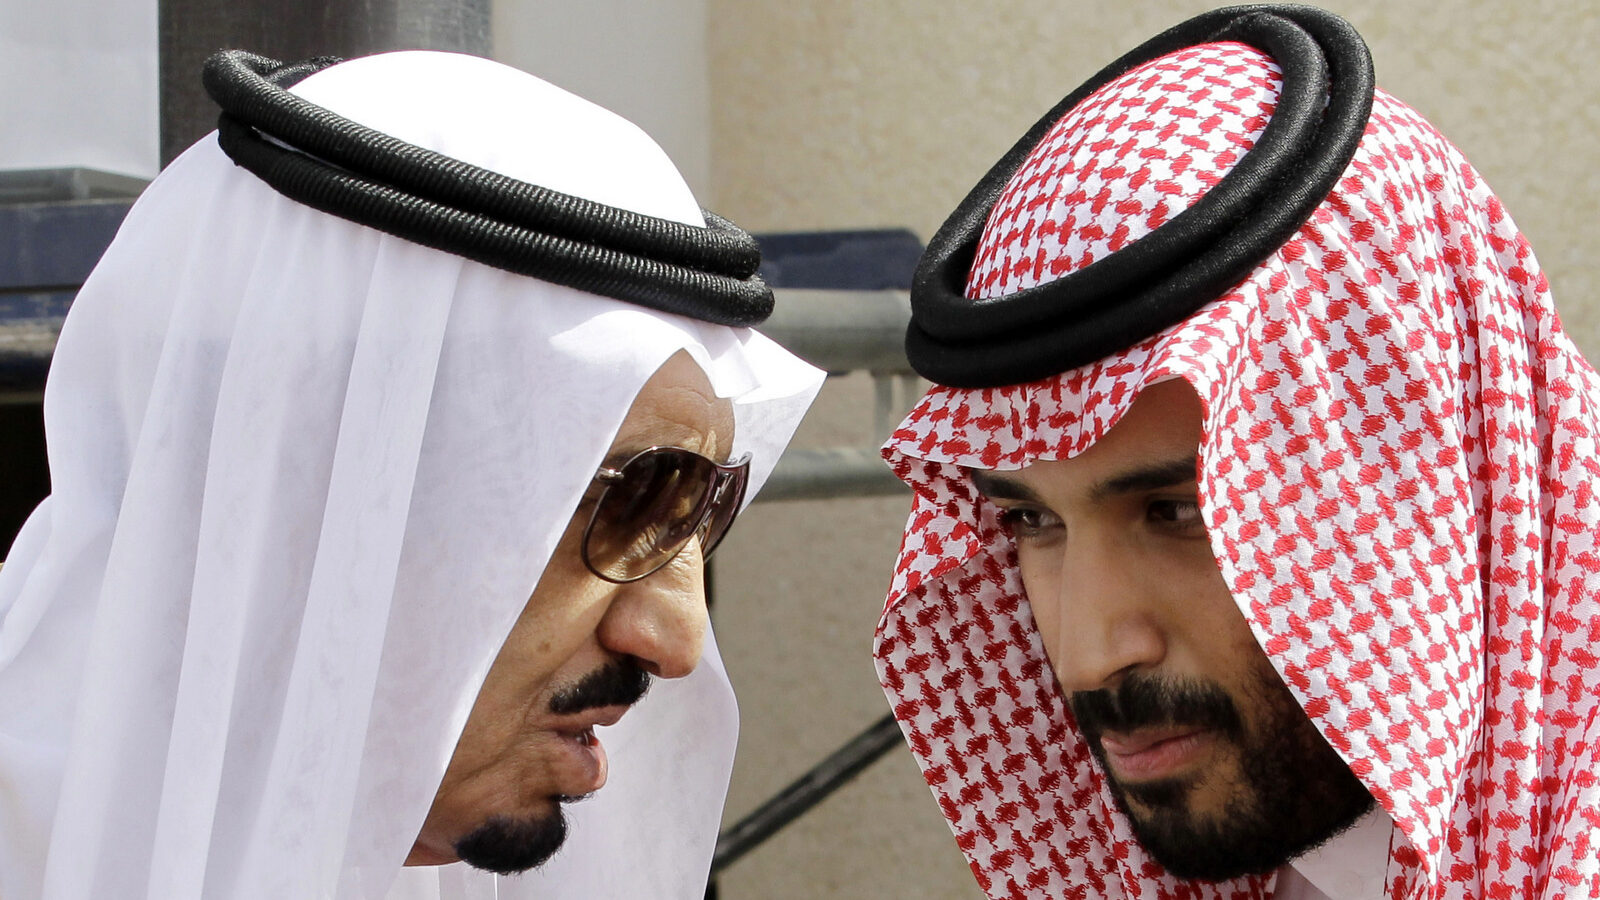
1178,515
1026,522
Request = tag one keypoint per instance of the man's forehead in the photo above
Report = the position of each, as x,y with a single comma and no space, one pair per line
677,407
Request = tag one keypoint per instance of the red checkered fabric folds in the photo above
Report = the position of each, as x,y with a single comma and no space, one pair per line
1398,476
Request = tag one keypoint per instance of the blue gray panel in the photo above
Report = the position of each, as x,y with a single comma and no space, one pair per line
873,260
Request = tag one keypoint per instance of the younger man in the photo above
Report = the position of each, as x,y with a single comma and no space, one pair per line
1253,544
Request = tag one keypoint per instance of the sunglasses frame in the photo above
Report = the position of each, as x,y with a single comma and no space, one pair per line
729,481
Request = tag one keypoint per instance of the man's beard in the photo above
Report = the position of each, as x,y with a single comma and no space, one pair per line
1296,791
507,845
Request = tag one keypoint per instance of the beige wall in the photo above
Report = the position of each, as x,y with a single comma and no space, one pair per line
835,114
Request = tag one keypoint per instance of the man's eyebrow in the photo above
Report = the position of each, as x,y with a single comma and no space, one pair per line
1150,477
996,486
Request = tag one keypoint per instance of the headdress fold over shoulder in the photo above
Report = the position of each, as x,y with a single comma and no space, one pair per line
345,169
1163,277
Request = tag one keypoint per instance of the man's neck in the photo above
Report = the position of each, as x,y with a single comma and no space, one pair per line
1351,866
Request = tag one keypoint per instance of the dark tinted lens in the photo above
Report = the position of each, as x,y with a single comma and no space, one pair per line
647,515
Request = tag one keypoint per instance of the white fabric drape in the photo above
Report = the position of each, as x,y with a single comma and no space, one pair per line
305,477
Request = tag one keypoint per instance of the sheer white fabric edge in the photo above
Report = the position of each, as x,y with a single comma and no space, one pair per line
187,716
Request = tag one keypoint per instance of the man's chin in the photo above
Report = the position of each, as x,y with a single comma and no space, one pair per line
1208,850
507,845
1273,817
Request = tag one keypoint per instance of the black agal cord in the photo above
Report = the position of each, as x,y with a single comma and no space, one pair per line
1162,278
340,167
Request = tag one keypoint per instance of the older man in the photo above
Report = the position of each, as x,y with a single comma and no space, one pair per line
1253,551
363,540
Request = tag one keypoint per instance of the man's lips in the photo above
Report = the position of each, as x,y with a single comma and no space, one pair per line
584,723
1151,753
587,751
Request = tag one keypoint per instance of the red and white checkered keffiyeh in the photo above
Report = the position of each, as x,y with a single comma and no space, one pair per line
1398,477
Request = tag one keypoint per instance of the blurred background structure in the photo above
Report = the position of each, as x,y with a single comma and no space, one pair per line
786,117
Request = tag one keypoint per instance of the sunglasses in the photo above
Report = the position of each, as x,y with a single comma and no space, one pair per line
653,504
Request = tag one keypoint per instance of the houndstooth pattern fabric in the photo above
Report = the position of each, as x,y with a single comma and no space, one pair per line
1398,477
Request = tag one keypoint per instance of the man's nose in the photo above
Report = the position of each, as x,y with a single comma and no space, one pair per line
1107,624
660,620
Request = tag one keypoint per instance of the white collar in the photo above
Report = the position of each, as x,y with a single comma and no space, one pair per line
1351,866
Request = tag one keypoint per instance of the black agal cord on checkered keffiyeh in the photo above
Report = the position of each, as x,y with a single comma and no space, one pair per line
1165,276
343,168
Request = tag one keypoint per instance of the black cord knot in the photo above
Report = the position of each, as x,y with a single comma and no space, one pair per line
1165,276
328,162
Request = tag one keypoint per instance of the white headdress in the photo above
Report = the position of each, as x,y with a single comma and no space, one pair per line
306,475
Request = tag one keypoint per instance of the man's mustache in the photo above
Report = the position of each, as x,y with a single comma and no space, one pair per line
620,683
1143,701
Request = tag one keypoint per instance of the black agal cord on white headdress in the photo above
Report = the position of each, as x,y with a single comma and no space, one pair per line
343,168
1163,277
